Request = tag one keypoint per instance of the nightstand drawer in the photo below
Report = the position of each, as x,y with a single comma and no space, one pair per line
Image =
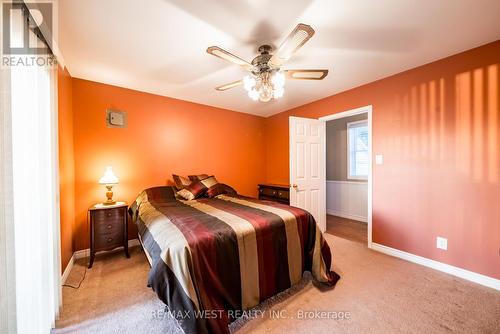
109,241
274,192
108,226
268,192
109,214
283,194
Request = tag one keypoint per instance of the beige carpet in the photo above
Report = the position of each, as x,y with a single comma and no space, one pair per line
379,294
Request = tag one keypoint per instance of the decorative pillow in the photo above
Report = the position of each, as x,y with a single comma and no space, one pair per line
219,189
197,189
198,177
181,182
160,194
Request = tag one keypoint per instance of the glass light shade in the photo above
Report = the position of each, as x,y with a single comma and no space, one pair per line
278,80
248,82
278,93
265,95
108,177
253,94
265,86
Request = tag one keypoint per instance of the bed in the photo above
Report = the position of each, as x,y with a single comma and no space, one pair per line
214,257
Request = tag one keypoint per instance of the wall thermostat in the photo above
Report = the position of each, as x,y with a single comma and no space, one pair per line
116,119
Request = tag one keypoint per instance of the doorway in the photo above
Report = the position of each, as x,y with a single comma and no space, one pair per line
349,174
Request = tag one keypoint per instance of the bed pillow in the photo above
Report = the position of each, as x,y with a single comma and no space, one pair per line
197,177
220,189
181,182
160,194
197,189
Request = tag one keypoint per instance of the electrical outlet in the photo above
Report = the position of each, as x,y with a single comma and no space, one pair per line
379,159
442,243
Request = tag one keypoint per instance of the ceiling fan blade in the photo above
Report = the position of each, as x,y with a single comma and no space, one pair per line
306,74
229,85
298,37
218,52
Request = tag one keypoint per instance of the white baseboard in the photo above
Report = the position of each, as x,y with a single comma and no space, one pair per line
346,215
449,269
68,268
85,253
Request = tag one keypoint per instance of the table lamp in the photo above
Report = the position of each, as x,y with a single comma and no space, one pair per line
109,179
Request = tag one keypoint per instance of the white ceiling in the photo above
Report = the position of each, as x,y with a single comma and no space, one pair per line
158,46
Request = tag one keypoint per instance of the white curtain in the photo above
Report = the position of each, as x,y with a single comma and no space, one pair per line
35,195
29,209
7,264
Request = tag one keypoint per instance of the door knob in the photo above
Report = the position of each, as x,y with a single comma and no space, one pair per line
295,186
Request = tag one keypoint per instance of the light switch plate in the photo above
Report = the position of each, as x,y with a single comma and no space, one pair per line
379,159
116,119
442,243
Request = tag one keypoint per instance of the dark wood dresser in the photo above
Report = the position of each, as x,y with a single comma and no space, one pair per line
275,192
108,228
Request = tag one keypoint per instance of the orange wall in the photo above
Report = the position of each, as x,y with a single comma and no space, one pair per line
66,165
163,136
438,127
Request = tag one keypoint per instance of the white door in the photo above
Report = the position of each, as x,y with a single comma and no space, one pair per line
307,167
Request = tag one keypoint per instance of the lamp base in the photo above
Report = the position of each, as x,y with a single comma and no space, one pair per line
109,195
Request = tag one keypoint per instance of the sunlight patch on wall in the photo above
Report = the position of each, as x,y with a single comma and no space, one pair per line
423,118
406,135
477,139
463,122
414,111
477,129
442,120
423,129
432,120
493,125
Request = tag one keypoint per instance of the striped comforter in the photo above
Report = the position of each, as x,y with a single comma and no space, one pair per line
213,257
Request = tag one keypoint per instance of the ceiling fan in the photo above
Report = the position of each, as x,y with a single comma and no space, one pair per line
266,79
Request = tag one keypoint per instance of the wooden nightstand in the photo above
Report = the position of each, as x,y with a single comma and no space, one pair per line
108,228
274,192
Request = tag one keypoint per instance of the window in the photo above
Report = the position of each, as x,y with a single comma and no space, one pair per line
357,150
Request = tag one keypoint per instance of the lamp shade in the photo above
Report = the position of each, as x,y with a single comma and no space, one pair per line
108,177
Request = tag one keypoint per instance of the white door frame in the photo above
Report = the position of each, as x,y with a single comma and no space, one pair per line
362,110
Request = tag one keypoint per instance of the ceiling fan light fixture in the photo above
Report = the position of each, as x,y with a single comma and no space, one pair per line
264,86
248,82
265,95
277,93
278,80
253,94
